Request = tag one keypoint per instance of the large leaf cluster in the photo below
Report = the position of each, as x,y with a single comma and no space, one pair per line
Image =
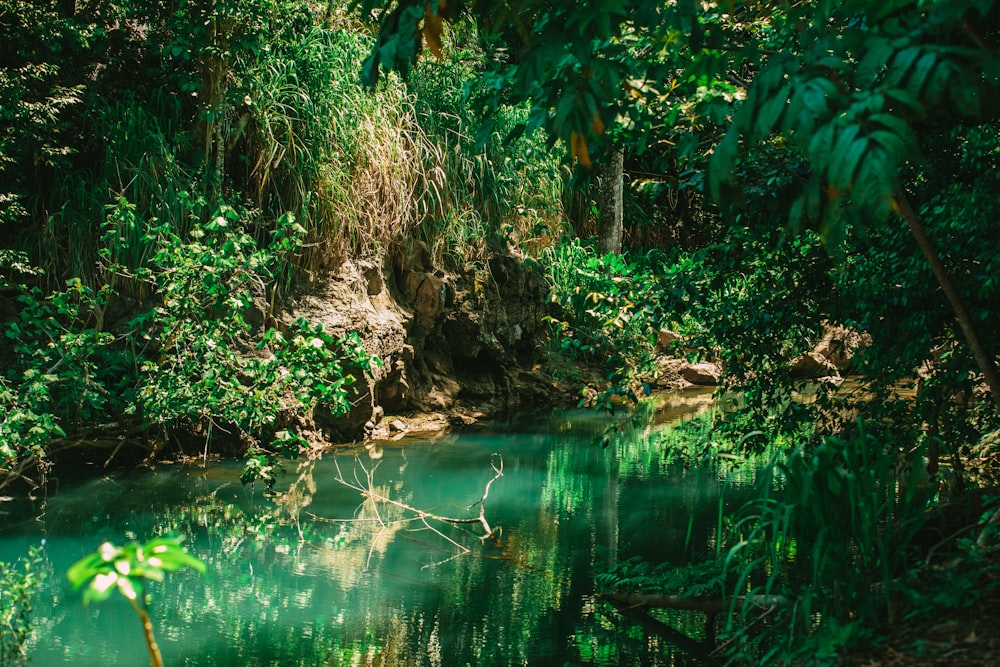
852,89
590,71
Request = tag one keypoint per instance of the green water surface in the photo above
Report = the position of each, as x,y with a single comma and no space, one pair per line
320,576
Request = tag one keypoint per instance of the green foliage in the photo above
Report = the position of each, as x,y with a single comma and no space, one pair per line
187,362
36,95
831,531
126,569
154,244
704,579
202,373
849,95
591,72
18,583
281,122
609,311
63,374
760,302
502,192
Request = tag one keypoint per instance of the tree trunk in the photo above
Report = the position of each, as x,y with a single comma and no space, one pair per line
986,363
610,180
213,67
155,658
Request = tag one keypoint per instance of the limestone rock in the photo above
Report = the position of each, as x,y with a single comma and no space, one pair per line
839,346
705,373
812,365
665,339
446,340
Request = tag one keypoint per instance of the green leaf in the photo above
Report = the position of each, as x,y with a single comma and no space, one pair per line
486,130
921,71
880,50
821,144
770,111
847,154
722,162
894,145
899,68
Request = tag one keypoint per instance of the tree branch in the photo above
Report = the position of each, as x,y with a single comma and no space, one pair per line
367,490
707,605
985,362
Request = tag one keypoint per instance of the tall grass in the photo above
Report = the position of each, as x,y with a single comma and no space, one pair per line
831,531
359,170
482,189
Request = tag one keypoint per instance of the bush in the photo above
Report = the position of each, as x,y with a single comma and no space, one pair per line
18,584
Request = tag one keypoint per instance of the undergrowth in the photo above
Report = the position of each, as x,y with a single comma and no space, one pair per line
199,357
608,313
163,230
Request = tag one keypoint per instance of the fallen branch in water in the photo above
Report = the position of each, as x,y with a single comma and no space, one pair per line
634,606
702,650
368,490
707,605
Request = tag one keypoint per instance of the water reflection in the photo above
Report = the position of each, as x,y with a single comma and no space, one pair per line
321,575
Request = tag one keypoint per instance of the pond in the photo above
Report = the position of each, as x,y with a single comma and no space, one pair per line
320,576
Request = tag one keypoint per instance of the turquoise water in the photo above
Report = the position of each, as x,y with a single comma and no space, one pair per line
321,576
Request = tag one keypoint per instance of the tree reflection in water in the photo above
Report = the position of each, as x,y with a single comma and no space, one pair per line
325,574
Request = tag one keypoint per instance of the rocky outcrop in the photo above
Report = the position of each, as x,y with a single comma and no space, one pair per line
833,355
678,373
704,374
463,342
356,299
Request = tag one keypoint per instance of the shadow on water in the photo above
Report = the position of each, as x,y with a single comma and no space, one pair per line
321,576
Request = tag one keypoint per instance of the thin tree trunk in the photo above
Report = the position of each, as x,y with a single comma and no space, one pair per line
213,67
610,180
155,657
985,362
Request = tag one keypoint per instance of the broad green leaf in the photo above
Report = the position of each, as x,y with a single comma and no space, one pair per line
770,111
821,144
899,68
486,130
870,68
847,162
893,144
921,71
833,161
876,180
722,162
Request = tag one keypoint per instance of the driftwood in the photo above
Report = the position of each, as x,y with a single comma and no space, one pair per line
367,489
699,649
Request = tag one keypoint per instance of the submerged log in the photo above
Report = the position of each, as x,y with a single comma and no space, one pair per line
701,650
707,605
633,606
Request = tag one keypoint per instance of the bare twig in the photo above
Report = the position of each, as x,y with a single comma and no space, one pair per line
368,491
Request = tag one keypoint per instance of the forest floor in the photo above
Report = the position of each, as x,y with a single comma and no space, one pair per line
965,637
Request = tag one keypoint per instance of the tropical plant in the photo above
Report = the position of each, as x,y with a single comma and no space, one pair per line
127,570
850,93
608,312
189,361
831,531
